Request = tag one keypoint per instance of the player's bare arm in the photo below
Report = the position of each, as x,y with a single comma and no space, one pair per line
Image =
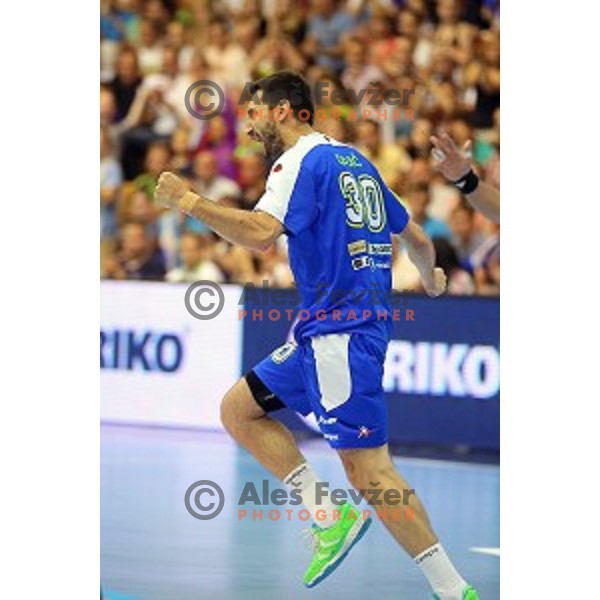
422,254
253,229
456,167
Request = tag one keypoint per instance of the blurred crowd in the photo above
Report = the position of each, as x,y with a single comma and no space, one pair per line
446,53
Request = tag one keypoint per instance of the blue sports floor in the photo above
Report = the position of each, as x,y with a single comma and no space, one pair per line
153,549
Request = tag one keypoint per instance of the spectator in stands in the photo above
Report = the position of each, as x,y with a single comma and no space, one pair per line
197,70
483,74
274,54
273,267
381,39
440,100
110,181
108,106
465,238
108,114
151,119
168,224
156,13
327,26
388,158
208,182
150,51
158,159
226,59
400,63
358,73
126,81
139,257
138,207
177,39
418,145
180,151
460,281
252,173
220,140
246,33
486,266
236,263
196,261
418,200
290,21
487,277
165,79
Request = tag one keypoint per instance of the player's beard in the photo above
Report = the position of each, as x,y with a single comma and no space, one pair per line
272,142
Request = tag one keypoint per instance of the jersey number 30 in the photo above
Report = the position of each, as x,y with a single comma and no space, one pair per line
364,201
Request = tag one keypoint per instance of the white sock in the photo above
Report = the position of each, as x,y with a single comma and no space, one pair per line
441,574
304,480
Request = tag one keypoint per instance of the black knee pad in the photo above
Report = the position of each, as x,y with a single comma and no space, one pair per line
263,396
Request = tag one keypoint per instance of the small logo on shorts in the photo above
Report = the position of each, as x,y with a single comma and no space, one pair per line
364,432
283,353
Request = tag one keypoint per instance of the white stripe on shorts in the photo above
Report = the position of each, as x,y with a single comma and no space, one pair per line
333,369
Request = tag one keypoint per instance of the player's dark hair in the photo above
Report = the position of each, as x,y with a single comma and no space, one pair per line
287,85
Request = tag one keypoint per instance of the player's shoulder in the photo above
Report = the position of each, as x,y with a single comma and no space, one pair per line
339,156
304,154
305,146
315,153
317,149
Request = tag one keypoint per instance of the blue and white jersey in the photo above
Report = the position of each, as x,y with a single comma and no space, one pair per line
339,216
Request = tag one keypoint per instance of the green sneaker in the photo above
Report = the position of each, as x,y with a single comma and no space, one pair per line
332,545
468,594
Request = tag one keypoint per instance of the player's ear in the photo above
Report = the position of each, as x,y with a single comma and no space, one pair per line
282,111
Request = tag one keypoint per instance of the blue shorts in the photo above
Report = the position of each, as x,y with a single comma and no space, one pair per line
338,377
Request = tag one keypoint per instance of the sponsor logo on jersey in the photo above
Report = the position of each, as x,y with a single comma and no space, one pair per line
361,262
381,249
380,265
357,247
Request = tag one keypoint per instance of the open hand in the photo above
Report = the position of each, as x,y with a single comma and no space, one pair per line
451,162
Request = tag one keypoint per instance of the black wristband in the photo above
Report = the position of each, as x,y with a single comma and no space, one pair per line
467,183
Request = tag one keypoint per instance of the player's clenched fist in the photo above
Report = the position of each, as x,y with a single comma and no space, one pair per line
170,190
437,285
